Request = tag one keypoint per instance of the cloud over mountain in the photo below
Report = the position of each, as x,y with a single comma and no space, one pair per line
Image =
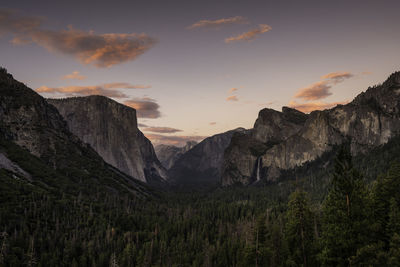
155,129
311,106
176,140
75,75
321,89
108,89
145,107
101,50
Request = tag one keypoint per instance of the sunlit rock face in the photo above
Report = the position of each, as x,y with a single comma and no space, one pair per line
168,154
279,142
111,129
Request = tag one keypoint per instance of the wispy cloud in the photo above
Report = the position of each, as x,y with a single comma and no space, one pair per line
145,107
318,90
75,75
337,77
81,91
108,89
232,98
216,24
213,123
321,89
155,129
311,106
125,86
101,50
233,90
250,35
141,125
175,140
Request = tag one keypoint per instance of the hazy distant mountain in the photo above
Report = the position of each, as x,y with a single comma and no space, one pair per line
283,140
35,144
111,129
169,154
201,165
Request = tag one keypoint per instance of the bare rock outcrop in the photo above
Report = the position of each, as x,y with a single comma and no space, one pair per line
168,154
110,128
278,142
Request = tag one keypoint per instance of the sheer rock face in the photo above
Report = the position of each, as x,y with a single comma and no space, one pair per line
201,165
284,142
111,129
168,155
29,121
275,126
271,127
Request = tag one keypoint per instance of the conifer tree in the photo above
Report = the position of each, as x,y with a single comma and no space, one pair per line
386,195
345,214
394,232
299,230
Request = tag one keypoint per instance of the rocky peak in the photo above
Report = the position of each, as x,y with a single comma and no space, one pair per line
27,119
168,155
189,145
294,115
370,120
384,97
274,126
111,129
201,165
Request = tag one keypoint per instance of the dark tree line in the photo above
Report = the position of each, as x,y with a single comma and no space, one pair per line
356,224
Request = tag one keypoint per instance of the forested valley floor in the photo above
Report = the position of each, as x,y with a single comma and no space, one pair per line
347,220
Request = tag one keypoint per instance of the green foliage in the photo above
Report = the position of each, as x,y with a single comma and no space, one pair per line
70,218
346,211
300,230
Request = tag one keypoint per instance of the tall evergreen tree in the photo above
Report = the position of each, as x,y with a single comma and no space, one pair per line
394,230
299,230
386,195
345,213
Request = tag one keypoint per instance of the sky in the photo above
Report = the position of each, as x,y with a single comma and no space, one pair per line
192,69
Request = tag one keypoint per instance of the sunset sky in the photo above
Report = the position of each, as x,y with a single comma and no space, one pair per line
197,68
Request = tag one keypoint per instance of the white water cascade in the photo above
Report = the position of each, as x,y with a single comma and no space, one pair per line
258,172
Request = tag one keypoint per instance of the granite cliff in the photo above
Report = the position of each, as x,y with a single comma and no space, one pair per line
111,129
168,155
287,139
33,132
201,165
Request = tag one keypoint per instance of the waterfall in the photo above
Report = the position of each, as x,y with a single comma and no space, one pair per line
258,172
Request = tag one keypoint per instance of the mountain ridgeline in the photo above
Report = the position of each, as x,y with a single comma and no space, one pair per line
281,141
201,165
168,154
63,205
37,145
111,129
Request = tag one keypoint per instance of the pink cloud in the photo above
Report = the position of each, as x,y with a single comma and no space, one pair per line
216,24
250,35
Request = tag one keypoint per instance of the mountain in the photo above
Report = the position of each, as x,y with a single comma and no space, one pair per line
201,165
35,144
111,130
169,154
288,139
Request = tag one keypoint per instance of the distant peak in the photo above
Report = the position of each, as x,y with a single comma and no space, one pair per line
393,79
4,75
286,109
